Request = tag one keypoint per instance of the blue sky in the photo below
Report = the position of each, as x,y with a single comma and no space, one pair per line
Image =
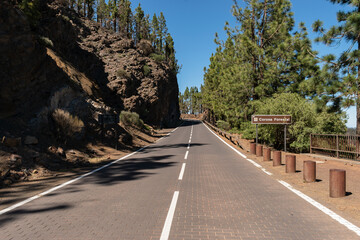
193,24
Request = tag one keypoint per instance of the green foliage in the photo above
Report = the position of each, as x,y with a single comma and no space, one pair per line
305,119
147,70
31,10
342,74
157,57
223,125
132,119
46,42
121,73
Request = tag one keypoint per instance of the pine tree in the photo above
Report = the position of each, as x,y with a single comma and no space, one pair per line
154,31
125,18
343,73
139,20
162,32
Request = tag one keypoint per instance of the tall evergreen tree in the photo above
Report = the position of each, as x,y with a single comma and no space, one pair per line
125,18
139,20
343,73
162,32
154,32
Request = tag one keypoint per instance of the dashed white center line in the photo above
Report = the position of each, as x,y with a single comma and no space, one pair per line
169,218
182,171
188,147
186,155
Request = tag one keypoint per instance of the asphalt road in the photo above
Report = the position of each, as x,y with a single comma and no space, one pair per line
189,185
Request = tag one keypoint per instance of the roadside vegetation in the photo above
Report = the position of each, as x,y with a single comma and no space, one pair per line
267,66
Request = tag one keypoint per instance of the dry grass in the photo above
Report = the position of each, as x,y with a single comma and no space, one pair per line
66,125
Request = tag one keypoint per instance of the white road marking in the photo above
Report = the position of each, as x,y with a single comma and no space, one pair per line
322,208
188,147
186,155
190,140
169,218
5,210
242,155
182,171
174,129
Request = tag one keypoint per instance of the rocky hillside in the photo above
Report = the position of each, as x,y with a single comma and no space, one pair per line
56,78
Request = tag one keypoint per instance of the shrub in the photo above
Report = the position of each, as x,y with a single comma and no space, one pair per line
121,73
46,42
223,125
157,57
146,70
305,121
67,126
131,118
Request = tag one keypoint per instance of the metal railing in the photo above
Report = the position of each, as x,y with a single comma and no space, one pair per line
340,146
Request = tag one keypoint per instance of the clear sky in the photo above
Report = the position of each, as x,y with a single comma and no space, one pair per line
193,24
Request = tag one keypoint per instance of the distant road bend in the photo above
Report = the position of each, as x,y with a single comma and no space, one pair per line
189,185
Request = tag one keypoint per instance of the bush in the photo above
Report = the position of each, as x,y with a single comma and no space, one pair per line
223,125
157,57
67,126
46,42
131,118
121,73
305,121
146,70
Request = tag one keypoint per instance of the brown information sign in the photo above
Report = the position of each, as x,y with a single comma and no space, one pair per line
271,119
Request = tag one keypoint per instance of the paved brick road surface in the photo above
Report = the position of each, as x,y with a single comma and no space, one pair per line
221,196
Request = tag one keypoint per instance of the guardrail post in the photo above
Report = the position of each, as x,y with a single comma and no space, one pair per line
259,150
337,146
337,183
290,164
267,154
276,158
253,148
309,171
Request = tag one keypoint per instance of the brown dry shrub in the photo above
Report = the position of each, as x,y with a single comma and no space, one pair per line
145,47
66,125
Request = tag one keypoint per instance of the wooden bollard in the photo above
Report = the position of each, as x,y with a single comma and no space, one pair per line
253,148
290,164
337,183
309,171
259,150
267,154
276,158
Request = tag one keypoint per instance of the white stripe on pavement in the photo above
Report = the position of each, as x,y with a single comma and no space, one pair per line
181,175
169,218
186,155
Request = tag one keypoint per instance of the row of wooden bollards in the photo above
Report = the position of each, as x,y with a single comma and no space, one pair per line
337,181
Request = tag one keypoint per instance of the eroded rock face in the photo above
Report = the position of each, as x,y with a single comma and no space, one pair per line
67,50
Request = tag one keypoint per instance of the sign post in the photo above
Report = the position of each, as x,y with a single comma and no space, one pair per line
272,119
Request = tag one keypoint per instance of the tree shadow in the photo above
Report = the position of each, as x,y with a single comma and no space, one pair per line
20,213
132,169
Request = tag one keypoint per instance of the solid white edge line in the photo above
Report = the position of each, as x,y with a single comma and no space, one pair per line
169,218
181,175
322,208
5,210
186,155
242,155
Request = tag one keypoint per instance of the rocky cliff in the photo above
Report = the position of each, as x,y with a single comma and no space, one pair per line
103,68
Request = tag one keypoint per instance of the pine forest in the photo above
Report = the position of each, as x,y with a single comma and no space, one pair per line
267,66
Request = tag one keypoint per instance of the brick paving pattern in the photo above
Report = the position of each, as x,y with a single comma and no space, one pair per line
221,196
